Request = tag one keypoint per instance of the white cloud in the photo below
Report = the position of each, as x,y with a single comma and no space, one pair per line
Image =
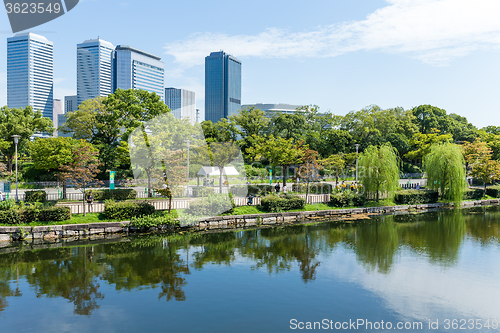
433,31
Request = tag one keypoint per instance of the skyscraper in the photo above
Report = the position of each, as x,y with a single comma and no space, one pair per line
136,69
93,69
30,72
182,103
222,86
70,103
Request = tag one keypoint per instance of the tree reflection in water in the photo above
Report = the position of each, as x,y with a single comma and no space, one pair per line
164,261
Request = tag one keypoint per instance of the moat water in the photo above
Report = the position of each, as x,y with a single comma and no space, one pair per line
430,272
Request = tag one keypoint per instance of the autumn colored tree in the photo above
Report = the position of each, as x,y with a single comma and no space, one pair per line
82,169
310,167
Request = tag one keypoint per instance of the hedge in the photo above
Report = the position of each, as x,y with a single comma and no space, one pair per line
35,196
413,197
31,214
127,210
277,203
118,194
473,194
212,205
347,199
10,217
493,191
202,191
314,188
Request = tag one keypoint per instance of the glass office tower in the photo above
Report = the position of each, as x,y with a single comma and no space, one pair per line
222,86
30,73
93,69
182,103
136,69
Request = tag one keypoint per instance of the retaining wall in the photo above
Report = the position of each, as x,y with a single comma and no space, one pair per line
90,230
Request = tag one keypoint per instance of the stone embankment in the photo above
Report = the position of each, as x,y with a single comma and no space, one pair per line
106,229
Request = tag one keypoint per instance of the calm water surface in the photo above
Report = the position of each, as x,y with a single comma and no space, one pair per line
430,267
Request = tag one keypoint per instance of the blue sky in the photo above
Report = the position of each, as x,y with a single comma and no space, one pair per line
341,55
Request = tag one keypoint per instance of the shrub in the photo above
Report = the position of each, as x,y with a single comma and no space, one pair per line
8,204
202,191
35,196
347,199
118,194
212,205
414,197
473,194
277,203
126,210
154,220
55,213
9,217
493,191
260,189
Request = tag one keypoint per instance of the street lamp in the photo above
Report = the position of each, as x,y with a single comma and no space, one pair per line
187,186
357,147
16,141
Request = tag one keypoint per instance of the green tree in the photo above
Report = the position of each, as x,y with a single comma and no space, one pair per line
421,144
486,171
222,154
379,170
51,153
251,122
106,122
278,151
24,122
445,170
335,162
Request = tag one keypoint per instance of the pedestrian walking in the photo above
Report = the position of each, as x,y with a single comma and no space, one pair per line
277,187
90,199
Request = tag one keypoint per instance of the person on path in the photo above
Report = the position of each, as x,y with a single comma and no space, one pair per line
90,199
1,196
277,187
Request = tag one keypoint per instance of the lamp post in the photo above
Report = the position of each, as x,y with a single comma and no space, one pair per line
16,141
187,186
357,147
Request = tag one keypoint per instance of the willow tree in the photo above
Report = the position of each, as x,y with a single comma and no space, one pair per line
379,170
445,170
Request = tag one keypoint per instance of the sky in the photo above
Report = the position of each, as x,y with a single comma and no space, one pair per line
341,55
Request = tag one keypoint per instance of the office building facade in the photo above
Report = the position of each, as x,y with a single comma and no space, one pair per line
30,73
272,109
94,69
70,103
222,86
136,69
182,103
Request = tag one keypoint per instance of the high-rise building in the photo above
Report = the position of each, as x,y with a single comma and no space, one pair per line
58,109
222,86
70,103
94,69
182,103
272,109
30,72
136,69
